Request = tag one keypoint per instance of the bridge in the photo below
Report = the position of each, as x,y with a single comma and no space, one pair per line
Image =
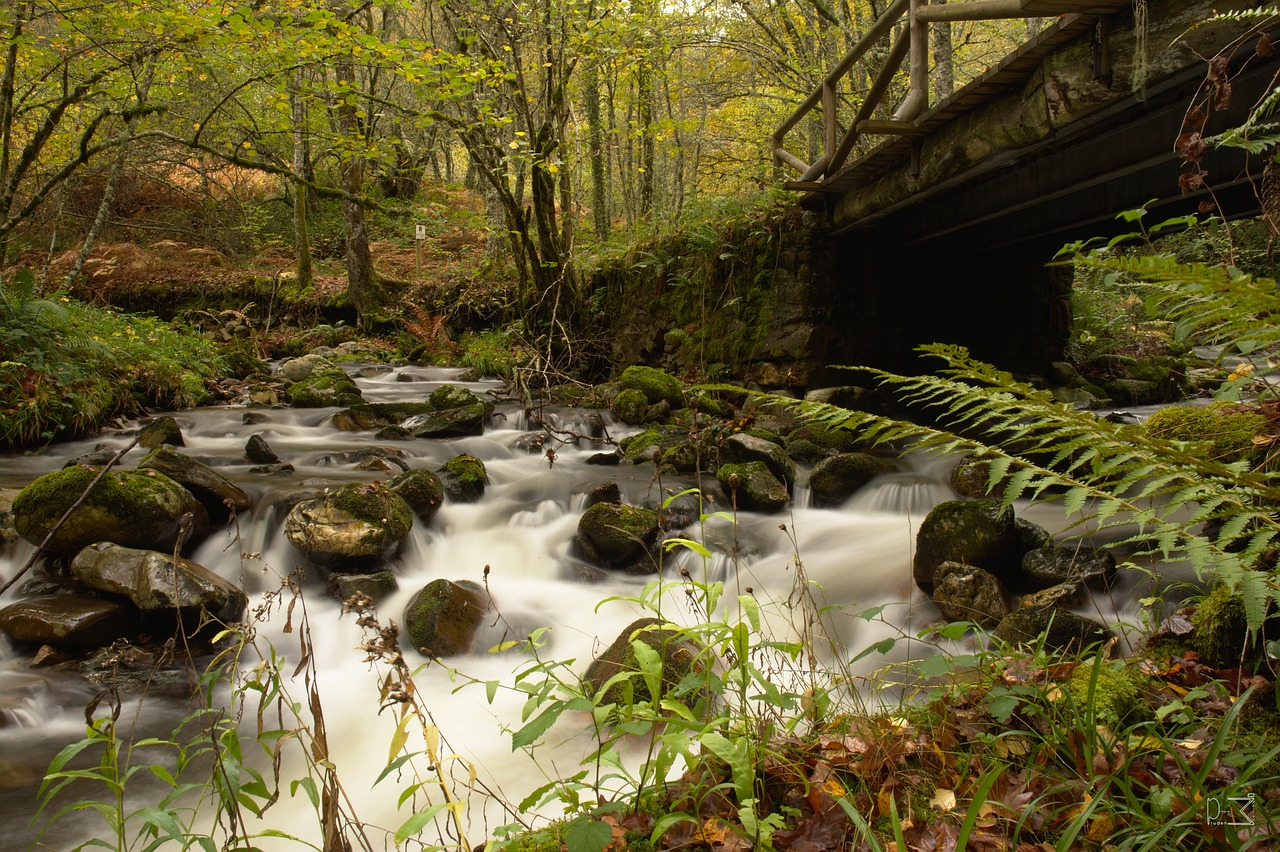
962,203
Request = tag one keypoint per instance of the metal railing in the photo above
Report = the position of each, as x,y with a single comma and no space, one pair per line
913,41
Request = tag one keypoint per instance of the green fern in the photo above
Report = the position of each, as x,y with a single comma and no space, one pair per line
1106,475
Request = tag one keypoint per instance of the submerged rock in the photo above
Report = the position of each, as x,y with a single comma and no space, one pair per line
441,620
68,621
157,583
377,586
131,508
355,528
258,451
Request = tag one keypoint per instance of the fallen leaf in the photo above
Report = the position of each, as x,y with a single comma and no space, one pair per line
943,800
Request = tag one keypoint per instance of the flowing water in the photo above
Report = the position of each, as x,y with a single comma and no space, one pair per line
856,556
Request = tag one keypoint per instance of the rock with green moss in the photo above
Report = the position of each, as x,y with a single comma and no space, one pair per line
161,430
974,532
1219,431
7,531
156,583
743,447
1220,629
69,621
833,440
613,535
965,593
837,478
455,412
221,497
630,406
656,385
752,487
464,478
421,489
618,671
705,402
1115,691
132,508
368,416
441,620
354,528
1056,629
970,478
326,385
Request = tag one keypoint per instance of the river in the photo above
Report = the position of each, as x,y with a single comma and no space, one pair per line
517,539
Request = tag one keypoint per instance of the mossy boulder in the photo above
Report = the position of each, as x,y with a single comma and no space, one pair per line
650,444
613,535
1219,431
656,385
742,447
132,508
833,440
1057,629
161,430
1062,596
368,416
965,593
441,620
970,477
69,621
974,532
464,478
1220,629
1116,691
7,531
326,385
221,497
631,406
355,528
752,487
683,659
837,478
421,489
156,583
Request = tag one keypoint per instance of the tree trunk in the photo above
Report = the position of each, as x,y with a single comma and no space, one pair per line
362,284
599,163
944,75
20,15
113,177
301,238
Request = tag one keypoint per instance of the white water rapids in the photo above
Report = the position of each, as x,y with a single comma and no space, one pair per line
856,557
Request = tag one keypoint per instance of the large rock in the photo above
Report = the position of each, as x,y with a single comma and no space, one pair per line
68,621
326,385
221,497
455,412
1050,566
161,431
376,587
464,478
7,531
421,489
616,536
678,653
741,448
298,369
965,593
656,385
974,532
157,583
133,508
368,416
441,620
835,479
354,528
753,487
1057,629
630,406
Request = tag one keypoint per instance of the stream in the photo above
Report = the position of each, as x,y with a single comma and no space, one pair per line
518,540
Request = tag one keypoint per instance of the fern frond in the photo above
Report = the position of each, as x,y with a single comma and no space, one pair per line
1108,476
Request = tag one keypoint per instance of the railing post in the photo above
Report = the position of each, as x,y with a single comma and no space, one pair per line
918,93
